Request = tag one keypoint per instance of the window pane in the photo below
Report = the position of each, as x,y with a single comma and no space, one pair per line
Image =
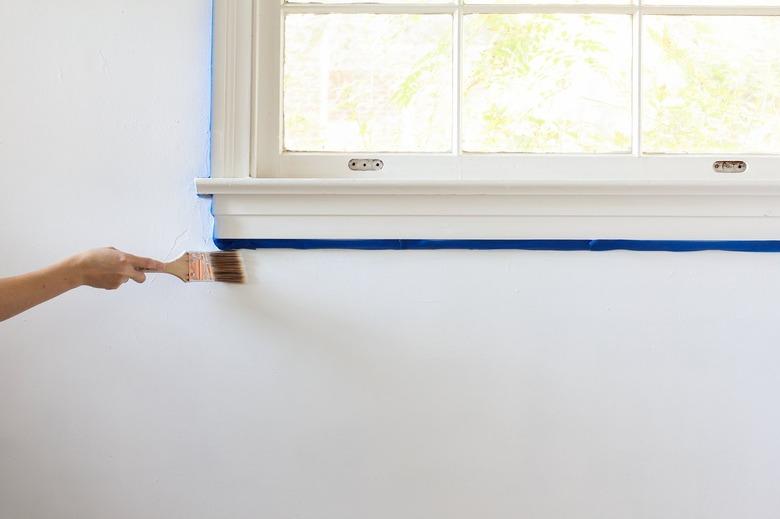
371,2
557,2
547,83
362,82
735,3
711,84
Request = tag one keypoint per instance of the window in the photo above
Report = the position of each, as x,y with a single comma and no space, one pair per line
491,117
462,89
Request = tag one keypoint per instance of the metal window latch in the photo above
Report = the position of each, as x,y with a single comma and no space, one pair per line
365,164
730,166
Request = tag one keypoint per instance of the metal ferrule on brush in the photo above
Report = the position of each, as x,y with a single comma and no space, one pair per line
199,267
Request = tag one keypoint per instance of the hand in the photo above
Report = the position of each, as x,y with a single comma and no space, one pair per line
110,268
100,268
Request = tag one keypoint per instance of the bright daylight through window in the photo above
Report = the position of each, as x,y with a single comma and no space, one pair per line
613,77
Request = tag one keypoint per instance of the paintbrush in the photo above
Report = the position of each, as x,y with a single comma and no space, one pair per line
225,267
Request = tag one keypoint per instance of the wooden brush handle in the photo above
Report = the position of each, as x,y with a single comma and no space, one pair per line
178,267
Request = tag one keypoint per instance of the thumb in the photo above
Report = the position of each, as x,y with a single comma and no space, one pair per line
136,275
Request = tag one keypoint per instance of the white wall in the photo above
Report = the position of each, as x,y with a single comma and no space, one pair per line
338,385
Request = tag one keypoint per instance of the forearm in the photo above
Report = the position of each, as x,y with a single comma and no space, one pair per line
20,293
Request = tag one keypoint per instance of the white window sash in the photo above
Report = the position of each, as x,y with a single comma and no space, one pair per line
247,112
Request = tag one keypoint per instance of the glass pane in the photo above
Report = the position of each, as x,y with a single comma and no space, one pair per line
363,82
711,84
370,2
547,83
548,2
734,3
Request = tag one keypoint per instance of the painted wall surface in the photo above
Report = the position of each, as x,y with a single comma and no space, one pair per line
338,385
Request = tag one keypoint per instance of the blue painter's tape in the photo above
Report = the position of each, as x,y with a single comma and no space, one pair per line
211,118
539,245
686,246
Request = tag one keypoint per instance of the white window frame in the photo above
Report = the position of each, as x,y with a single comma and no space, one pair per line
261,192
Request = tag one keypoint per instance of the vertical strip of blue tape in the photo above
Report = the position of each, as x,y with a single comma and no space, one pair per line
211,120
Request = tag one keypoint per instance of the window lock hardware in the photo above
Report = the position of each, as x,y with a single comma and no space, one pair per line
730,166
365,164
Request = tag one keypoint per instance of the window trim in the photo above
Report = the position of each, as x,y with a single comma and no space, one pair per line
471,202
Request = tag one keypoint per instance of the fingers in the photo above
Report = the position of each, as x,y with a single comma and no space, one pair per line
111,268
139,262
134,267
137,276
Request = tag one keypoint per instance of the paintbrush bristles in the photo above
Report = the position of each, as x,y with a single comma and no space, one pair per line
227,267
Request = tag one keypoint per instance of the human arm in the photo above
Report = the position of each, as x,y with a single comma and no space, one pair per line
106,268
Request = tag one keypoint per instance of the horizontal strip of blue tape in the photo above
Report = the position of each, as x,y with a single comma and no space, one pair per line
540,245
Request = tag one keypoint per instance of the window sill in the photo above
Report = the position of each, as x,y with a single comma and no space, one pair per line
360,209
